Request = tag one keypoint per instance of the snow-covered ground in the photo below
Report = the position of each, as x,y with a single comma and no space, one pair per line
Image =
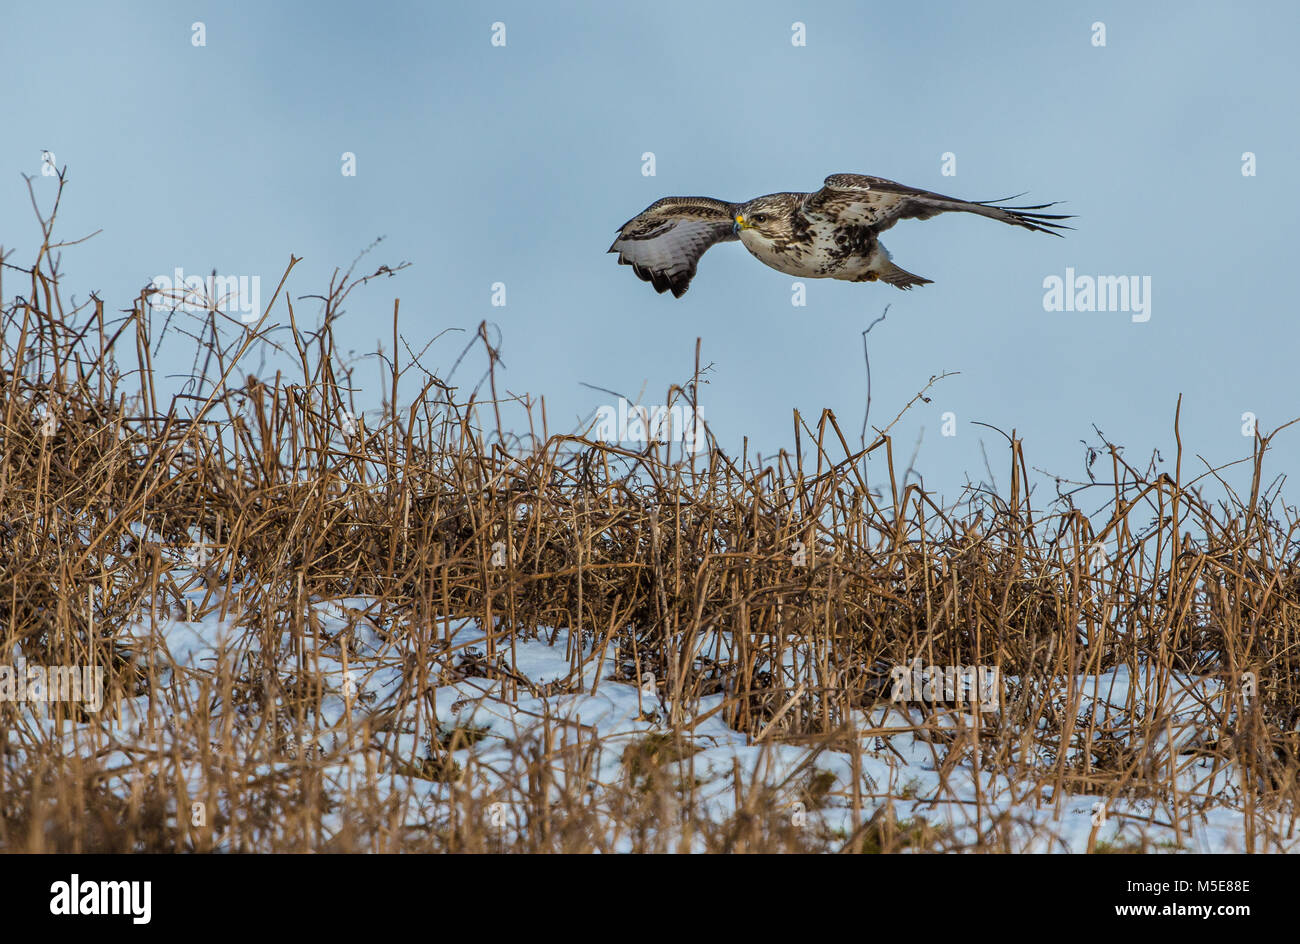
554,699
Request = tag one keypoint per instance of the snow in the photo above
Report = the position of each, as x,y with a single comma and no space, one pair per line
542,699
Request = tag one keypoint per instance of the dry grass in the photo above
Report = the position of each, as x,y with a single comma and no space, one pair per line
653,558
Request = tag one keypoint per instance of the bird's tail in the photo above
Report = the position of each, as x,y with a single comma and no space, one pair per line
899,278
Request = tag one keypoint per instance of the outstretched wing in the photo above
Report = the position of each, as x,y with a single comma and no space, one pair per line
874,201
664,243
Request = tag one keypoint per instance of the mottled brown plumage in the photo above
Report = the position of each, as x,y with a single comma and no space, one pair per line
830,234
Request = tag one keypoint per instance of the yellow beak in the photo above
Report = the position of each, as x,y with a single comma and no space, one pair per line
741,224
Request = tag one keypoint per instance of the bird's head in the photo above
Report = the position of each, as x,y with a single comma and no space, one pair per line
763,220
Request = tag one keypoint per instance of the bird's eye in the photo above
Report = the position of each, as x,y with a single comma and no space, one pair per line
760,217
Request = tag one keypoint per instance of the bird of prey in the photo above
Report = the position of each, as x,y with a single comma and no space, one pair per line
831,234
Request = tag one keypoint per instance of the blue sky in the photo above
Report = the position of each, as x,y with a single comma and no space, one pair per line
481,164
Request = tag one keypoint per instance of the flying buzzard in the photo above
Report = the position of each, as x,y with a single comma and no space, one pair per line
830,234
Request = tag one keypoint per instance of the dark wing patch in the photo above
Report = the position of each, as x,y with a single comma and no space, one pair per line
663,244
880,203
